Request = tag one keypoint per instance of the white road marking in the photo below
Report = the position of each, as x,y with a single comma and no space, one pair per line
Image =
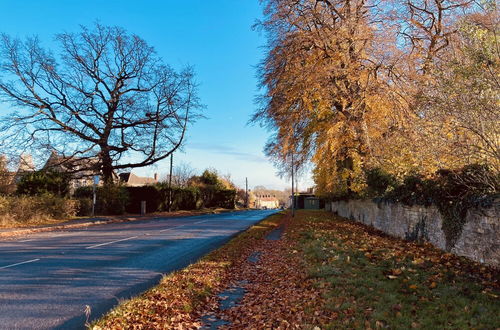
107,243
201,222
160,231
26,240
19,263
188,224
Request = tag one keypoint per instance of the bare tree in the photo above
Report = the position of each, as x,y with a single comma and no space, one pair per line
106,97
428,27
181,175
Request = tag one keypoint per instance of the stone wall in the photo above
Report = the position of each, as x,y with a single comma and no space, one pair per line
479,240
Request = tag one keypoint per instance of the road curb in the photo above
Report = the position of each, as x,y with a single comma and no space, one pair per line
99,221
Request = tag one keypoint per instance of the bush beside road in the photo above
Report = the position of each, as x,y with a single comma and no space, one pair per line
23,211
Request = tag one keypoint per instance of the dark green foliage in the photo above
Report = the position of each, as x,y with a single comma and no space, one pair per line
343,196
43,182
415,190
83,192
118,199
213,192
225,198
379,181
209,178
453,192
458,191
111,199
150,194
85,206
215,196
156,198
205,191
186,198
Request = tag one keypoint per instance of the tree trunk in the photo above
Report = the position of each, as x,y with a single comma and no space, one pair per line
106,166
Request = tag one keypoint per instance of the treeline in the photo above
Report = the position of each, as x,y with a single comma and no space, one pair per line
205,191
405,88
42,195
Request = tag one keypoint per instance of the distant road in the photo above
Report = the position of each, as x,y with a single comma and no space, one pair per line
47,279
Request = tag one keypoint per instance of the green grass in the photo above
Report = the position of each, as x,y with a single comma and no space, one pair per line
375,281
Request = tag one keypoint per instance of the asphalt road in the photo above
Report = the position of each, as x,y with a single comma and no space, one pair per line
48,279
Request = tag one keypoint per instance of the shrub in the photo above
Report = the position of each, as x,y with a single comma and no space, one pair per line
111,199
415,190
458,191
120,198
186,198
83,192
150,194
15,210
225,198
379,181
209,177
85,207
43,182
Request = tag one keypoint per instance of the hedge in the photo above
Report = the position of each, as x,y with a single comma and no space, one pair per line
119,199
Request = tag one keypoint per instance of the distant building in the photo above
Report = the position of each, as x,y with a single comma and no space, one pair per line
307,201
79,169
26,163
132,180
7,178
266,202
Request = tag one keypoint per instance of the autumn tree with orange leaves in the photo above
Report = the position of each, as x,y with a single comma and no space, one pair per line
346,85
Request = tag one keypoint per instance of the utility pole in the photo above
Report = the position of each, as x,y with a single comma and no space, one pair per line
293,192
170,182
246,193
94,197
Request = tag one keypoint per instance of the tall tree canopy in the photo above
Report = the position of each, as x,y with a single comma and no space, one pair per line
106,97
354,84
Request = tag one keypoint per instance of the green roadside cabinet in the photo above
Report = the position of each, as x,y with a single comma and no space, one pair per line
311,203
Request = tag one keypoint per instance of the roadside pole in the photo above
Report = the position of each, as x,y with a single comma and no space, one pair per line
246,193
170,183
94,198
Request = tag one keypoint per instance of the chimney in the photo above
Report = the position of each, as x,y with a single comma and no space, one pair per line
156,176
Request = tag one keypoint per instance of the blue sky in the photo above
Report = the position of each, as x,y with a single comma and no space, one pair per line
214,36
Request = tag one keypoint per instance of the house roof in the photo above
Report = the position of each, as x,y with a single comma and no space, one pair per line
26,163
131,179
83,166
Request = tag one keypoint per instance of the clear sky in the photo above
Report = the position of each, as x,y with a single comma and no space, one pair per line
215,36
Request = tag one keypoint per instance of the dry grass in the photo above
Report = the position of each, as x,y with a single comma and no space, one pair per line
26,211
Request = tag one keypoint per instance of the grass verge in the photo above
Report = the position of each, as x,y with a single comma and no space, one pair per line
180,297
328,272
370,280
